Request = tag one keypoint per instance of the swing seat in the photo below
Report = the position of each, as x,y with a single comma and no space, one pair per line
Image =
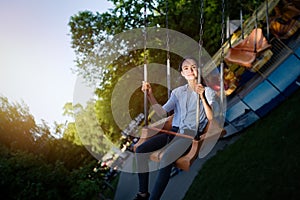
245,52
284,30
285,23
185,161
164,124
240,57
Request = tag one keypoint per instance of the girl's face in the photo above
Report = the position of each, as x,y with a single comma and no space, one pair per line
189,69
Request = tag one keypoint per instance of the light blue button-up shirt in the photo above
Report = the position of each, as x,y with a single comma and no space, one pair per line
183,102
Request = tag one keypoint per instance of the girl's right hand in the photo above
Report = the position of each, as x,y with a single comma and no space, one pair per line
146,87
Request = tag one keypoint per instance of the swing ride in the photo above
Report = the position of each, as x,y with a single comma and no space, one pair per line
270,78
257,72
212,131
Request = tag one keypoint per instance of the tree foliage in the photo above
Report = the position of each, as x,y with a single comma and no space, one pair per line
36,165
18,124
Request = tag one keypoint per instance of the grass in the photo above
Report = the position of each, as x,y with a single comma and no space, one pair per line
264,163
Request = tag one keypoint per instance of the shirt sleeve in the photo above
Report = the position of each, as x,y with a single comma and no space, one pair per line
170,104
213,101
210,95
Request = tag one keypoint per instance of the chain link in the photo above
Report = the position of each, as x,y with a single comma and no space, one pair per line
168,51
145,64
222,30
200,65
145,33
167,27
222,95
201,39
201,23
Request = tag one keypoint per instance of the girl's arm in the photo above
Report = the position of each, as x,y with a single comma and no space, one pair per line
200,89
146,87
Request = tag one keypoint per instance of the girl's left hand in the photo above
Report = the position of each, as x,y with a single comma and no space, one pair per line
199,89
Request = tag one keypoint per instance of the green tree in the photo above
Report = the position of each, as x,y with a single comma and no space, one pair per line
90,131
70,133
36,165
17,125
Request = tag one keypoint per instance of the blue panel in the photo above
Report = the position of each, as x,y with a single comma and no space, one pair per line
236,110
286,73
245,120
292,88
260,95
298,52
265,109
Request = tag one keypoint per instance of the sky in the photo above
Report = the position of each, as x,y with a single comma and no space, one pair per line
36,57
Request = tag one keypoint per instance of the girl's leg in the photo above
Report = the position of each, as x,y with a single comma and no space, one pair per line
142,157
175,149
162,180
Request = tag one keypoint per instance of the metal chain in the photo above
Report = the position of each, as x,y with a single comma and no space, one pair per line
267,20
201,23
145,33
168,52
197,136
222,95
145,65
222,30
167,27
201,39
241,19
